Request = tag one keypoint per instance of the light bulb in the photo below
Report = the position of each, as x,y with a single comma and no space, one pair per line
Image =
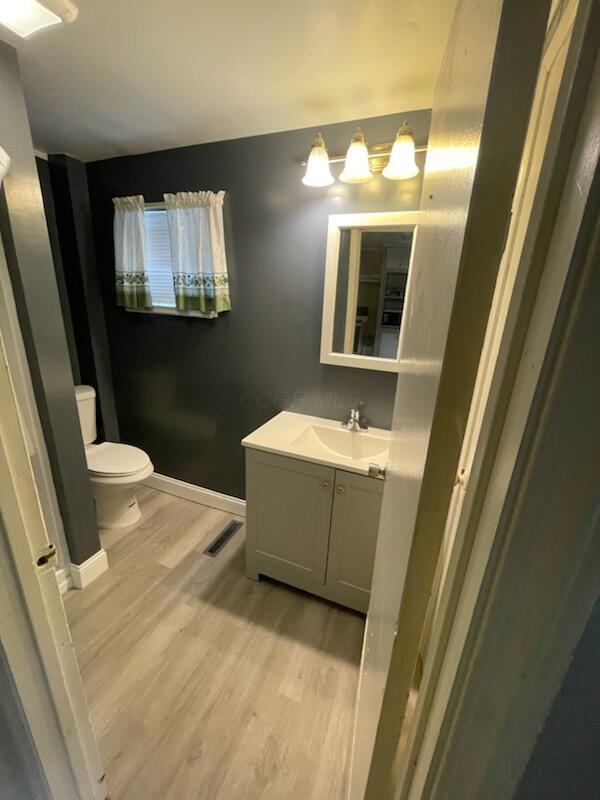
402,164
356,167
317,167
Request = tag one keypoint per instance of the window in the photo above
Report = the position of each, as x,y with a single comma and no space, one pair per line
158,258
170,258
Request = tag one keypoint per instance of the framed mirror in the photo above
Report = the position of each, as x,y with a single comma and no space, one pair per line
368,263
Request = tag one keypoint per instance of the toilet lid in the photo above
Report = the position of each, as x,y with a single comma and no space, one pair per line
110,458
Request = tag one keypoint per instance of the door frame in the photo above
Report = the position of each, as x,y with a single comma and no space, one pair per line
353,278
21,377
33,625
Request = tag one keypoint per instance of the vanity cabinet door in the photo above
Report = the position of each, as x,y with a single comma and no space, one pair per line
288,515
354,526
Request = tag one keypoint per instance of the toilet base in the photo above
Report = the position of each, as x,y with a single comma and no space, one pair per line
116,507
115,498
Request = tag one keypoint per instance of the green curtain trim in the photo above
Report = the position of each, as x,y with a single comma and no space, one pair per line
204,293
133,290
195,280
202,303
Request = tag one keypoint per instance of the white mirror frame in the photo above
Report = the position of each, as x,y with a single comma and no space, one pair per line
394,220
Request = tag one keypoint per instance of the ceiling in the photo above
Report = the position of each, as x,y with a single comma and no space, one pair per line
132,76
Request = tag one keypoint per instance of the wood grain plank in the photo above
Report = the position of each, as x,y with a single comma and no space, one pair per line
204,684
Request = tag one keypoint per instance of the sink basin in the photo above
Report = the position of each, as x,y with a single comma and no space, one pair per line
355,445
321,441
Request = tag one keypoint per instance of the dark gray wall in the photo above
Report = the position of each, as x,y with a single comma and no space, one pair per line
565,763
66,195
188,390
61,281
29,258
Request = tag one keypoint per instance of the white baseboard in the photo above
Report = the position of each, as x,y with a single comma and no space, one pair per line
63,578
197,494
83,574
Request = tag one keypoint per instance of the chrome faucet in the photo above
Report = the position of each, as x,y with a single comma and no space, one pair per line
354,421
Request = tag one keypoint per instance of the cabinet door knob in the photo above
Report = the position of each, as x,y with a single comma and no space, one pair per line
325,484
341,489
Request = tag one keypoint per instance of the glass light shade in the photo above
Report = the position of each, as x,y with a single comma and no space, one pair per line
25,17
356,167
317,167
402,164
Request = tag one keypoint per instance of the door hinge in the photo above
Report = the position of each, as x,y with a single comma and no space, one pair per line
46,555
375,471
461,478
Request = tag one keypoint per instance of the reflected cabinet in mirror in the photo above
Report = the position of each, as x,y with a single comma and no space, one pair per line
366,282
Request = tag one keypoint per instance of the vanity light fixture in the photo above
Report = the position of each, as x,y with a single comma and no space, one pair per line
25,17
402,164
317,169
357,168
396,160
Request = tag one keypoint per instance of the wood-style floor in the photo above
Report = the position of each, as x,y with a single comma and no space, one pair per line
204,685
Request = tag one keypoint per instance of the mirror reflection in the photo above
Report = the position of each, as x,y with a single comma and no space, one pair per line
372,277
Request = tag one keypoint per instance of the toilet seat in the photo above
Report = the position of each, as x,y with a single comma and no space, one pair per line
115,460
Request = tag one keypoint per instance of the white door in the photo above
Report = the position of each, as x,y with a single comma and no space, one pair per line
512,279
460,167
38,654
517,339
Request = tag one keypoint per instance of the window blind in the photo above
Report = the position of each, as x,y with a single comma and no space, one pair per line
158,258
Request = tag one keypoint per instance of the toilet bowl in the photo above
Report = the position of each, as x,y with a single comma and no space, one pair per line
115,469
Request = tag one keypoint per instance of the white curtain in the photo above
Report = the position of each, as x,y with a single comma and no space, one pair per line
197,240
131,276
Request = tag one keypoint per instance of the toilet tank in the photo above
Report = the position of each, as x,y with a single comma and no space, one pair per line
86,406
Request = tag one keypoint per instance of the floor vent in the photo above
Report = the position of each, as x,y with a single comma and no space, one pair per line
217,544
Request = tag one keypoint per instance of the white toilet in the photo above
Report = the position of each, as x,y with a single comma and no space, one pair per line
115,469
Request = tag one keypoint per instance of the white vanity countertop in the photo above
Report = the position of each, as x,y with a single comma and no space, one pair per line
322,441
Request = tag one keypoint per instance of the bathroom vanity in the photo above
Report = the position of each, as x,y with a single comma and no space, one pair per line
312,510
